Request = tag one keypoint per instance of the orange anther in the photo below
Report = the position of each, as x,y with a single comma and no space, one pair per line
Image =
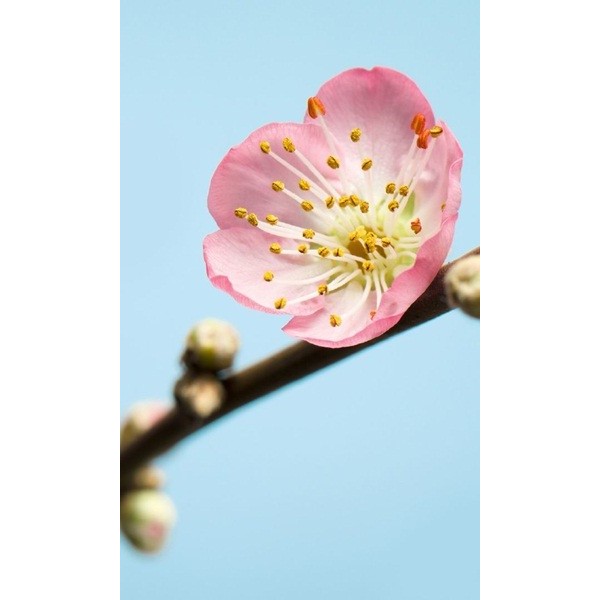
315,107
418,123
423,139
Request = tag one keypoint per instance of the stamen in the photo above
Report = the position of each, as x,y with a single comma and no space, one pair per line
418,123
390,188
364,207
393,205
288,145
386,242
240,213
322,289
368,266
416,225
268,276
403,190
355,135
252,219
307,205
280,303
367,163
355,200
265,147
422,140
315,107
344,201
335,320
302,248
339,252
329,202
278,186
333,162
309,234
271,219
323,251
275,248
304,185
436,131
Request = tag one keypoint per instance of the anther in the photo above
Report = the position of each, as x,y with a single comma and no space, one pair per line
278,186
333,162
339,252
275,248
403,190
436,131
303,248
306,205
355,135
416,225
386,241
280,303
443,206
353,235
323,251
423,140
368,266
335,320
355,200
288,145
304,185
418,123
315,107
390,188
344,201
329,202
240,213
366,164
252,219
373,313
268,276
393,205
322,289
364,207
271,219
265,147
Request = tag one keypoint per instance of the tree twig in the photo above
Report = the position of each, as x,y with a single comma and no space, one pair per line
270,374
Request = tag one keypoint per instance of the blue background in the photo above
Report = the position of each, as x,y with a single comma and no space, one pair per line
363,480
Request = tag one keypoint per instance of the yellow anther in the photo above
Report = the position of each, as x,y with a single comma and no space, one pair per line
444,206
366,164
268,276
364,207
370,241
278,186
240,213
355,200
355,135
271,219
275,248
339,252
280,303
403,190
252,219
322,289
393,205
416,225
323,251
353,235
333,162
329,202
390,188
265,147
303,248
368,266
315,107
306,205
309,234
386,241
335,320
361,231
344,201
304,185
288,145
436,131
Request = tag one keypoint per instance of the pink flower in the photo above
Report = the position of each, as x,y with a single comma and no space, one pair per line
341,221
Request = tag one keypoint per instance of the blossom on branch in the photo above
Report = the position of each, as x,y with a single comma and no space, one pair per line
341,221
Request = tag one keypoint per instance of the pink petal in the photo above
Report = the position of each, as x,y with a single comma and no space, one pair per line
237,258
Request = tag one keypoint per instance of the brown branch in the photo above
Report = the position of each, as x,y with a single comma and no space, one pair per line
284,367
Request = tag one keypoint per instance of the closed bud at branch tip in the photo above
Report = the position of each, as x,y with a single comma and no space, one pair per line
141,417
147,517
211,345
462,283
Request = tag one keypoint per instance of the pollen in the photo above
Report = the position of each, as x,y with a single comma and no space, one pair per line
323,251
240,213
280,303
366,164
386,241
368,266
265,147
275,248
371,241
403,190
308,234
364,207
339,252
252,219
322,289
306,205
355,135
373,313
353,235
288,145
418,123
390,188
278,186
344,201
335,320
423,140
416,225
304,185
271,219
268,276
303,248
315,107
436,131
393,205
355,200
333,162
329,202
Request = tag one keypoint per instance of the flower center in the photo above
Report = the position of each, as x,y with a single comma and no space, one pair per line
365,235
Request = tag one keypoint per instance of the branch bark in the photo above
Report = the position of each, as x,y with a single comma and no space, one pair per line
272,373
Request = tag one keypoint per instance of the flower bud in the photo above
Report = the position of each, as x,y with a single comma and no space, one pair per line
211,345
462,285
147,517
141,417
146,477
